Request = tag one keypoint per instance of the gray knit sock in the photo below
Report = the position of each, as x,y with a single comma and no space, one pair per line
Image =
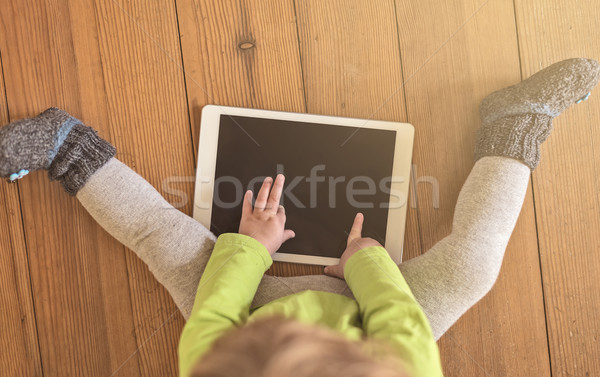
518,119
54,141
32,143
82,153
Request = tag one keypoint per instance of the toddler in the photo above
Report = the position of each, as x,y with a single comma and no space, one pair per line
366,316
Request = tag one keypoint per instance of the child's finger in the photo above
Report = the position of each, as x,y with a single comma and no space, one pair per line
247,204
333,271
273,202
355,232
263,195
287,234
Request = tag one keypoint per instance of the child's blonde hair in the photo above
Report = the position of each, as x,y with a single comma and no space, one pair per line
276,346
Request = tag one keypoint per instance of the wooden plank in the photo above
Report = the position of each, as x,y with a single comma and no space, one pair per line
350,59
120,323
145,92
242,53
94,60
351,66
18,330
449,65
566,186
78,273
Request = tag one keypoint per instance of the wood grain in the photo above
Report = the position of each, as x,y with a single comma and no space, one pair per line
352,68
242,53
76,302
78,273
93,60
18,329
504,334
566,186
148,118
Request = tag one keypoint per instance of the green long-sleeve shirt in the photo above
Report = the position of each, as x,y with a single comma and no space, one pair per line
384,307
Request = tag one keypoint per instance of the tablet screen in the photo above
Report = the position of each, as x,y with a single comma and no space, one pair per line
331,173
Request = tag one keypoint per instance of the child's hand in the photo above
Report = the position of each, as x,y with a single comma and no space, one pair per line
354,244
266,222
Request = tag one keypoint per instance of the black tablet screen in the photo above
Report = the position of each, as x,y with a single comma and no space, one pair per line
331,173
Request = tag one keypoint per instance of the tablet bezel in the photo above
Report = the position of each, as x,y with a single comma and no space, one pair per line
207,158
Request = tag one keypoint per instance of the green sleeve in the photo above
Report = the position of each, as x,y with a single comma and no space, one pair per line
225,292
389,310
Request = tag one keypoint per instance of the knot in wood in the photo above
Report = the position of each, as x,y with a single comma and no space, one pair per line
246,45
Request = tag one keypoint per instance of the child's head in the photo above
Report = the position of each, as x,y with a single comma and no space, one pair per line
275,347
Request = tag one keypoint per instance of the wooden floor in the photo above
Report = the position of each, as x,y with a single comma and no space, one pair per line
76,302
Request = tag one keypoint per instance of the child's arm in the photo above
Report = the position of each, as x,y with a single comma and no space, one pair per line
224,294
233,273
388,308
390,312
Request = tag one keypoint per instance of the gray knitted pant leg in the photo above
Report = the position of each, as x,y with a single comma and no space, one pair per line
175,247
462,267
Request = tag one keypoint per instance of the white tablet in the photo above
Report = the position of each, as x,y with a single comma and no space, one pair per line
334,167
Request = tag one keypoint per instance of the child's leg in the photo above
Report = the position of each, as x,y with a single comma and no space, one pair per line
461,268
175,247
274,287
